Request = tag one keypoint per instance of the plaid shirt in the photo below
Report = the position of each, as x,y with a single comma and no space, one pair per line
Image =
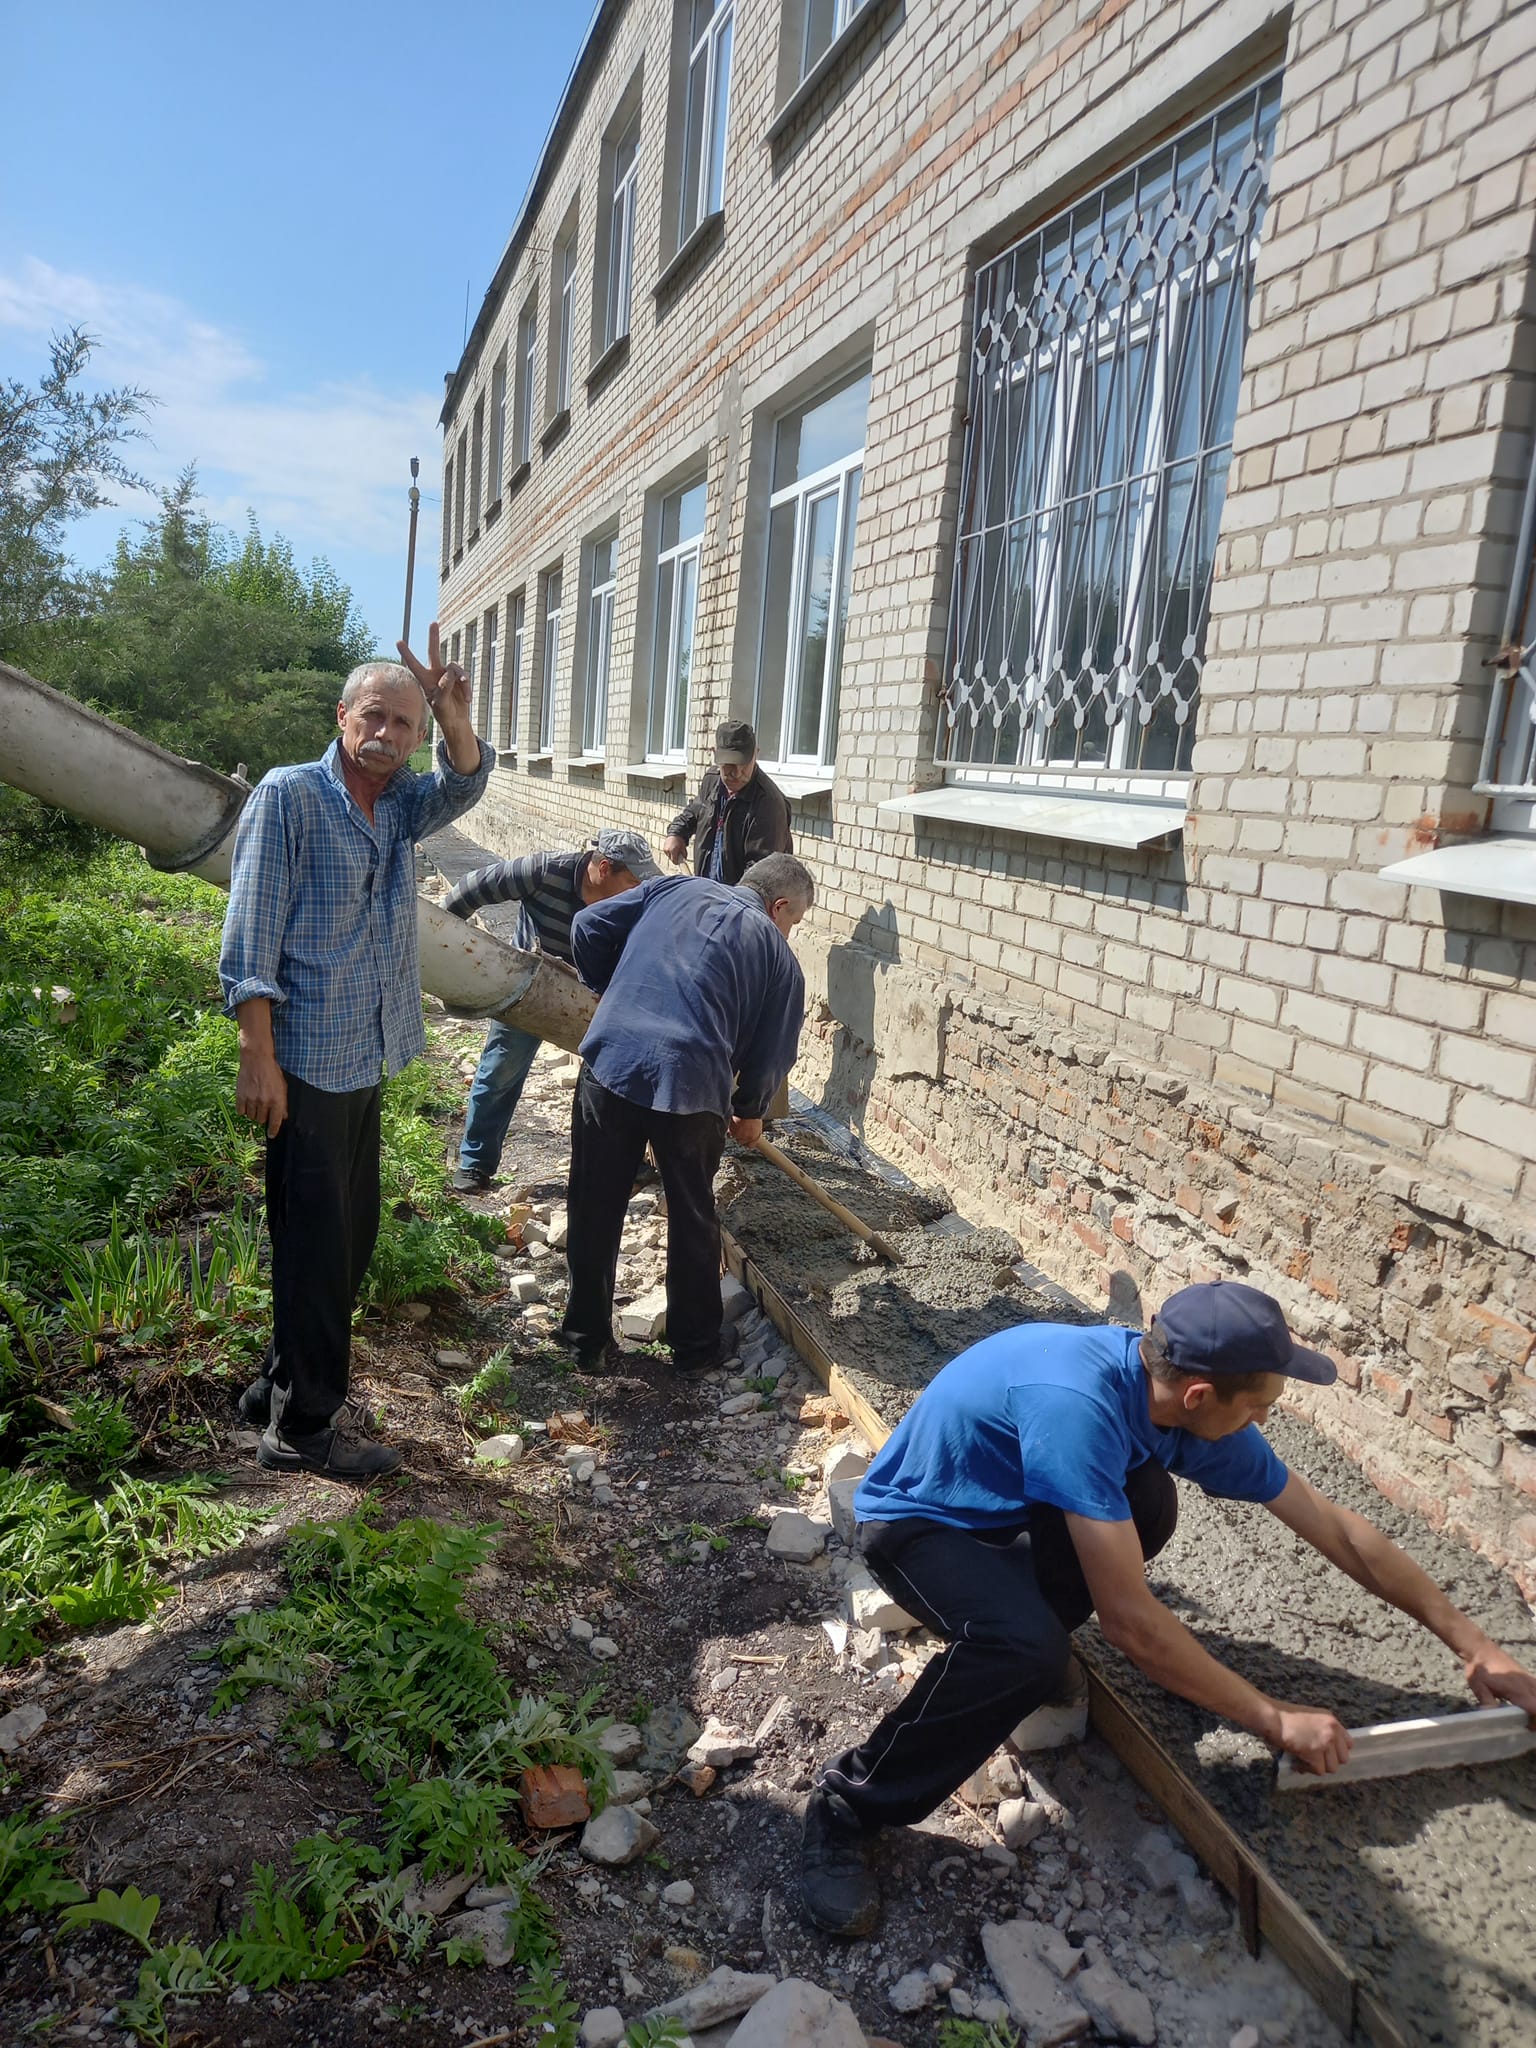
322,915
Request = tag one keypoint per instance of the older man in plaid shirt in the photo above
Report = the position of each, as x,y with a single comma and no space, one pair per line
319,966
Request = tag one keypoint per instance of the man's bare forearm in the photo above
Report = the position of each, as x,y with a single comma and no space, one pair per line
1159,1644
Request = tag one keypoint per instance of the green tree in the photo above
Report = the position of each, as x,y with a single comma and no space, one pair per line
60,457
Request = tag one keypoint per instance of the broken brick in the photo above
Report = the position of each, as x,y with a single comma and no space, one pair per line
554,1796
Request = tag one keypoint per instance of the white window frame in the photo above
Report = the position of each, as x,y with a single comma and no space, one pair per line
524,385
488,641
517,635
621,235
476,462
461,465
711,53
599,652
551,668
843,12
805,494
566,335
664,674
471,664
448,490
498,428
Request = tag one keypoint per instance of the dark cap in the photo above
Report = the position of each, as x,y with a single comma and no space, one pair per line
735,744
1223,1326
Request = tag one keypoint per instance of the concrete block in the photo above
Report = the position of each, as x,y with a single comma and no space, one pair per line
840,1504
870,1606
1022,1956
645,1320
1054,1726
735,1300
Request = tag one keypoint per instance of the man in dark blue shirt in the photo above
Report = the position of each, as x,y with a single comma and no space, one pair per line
702,1003
1024,1490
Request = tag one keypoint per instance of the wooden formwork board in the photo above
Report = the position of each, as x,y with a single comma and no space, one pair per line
1266,1911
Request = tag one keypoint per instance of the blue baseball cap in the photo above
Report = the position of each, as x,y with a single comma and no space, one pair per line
1222,1326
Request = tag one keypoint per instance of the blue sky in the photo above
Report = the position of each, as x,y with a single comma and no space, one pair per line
268,218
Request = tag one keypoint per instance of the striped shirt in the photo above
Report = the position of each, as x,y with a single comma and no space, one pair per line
322,914
546,886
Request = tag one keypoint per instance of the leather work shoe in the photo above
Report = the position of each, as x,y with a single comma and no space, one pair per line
342,1451
468,1180
836,1888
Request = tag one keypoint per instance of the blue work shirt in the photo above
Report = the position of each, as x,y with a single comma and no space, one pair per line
322,914
702,999
1046,1412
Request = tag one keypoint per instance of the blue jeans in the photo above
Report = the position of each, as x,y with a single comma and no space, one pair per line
497,1087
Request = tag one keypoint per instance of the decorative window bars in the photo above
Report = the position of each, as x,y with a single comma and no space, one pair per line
1106,359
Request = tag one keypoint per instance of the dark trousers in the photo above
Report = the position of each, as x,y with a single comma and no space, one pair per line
1007,1603
322,1217
608,1141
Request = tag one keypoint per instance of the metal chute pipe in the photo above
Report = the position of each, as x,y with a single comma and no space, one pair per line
184,815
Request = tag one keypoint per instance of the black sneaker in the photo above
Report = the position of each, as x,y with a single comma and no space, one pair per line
342,1451
468,1180
836,1888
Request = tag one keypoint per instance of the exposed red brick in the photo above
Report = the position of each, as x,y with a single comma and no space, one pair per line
1520,1465
1123,1224
1504,1338
554,1796
1188,1197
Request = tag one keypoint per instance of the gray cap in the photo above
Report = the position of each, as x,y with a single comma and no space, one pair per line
626,849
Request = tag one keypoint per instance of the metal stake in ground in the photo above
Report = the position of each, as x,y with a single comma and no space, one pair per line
829,1202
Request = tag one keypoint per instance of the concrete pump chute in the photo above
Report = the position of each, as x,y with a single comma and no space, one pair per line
184,816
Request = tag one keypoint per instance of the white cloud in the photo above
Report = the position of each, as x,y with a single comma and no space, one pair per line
328,466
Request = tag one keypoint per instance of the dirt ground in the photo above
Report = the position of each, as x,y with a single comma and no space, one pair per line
676,1573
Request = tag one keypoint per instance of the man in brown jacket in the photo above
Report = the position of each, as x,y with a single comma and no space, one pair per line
738,816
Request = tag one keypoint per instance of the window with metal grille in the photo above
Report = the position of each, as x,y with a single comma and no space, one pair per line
818,467
594,708
712,27
677,606
1105,364
1508,769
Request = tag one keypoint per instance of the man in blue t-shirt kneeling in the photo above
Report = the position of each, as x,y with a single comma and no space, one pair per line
1025,1490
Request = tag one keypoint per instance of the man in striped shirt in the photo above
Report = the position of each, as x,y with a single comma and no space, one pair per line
319,967
549,888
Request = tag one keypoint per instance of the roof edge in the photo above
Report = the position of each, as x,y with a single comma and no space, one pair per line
594,48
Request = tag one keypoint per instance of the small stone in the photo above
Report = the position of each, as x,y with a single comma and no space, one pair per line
603,1648
698,1778
1204,1907
723,1680
645,1320
1245,2037
621,1743
840,1495
554,1796
941,1976
843,1462
18,1727
822,1411
961,2004
796,1537
799,2014
870,1606
501,1450
617,1835
1161,1862
735,1300
740,1404
724,1995
628,1786
581,1630
1021,1820
1118,2010
603,2027
488,1927
1052,1726
570,1426
719,1747
1029,1962
523,1288
434,1898
453,1361
912,1993
678,1893
416,1311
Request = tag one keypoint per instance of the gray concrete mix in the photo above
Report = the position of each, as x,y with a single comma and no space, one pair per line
1426,1884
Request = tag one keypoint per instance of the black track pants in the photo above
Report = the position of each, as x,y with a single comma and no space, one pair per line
1006,1603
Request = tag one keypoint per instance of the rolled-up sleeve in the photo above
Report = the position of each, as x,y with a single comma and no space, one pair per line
445,794
261,890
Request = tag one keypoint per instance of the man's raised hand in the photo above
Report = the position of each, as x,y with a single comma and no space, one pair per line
443,683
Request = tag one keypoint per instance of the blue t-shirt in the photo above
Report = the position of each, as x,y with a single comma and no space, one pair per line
1046,1412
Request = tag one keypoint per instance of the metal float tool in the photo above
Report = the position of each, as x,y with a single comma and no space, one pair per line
1440,1742
830,1203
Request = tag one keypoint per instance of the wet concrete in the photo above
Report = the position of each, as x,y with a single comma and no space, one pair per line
1426,1884
890,1329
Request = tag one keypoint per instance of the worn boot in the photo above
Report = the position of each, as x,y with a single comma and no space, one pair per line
342,1451
255,1407
836,1887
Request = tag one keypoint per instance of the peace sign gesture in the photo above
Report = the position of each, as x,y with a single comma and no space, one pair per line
443,683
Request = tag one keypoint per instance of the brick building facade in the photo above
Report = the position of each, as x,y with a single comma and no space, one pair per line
1092,442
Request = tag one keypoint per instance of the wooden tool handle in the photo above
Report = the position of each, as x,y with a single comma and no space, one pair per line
829,1202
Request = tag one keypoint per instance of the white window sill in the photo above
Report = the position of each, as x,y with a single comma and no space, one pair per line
1124,821
584,764
662,772
506,757
542,759
798,787
1499,870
